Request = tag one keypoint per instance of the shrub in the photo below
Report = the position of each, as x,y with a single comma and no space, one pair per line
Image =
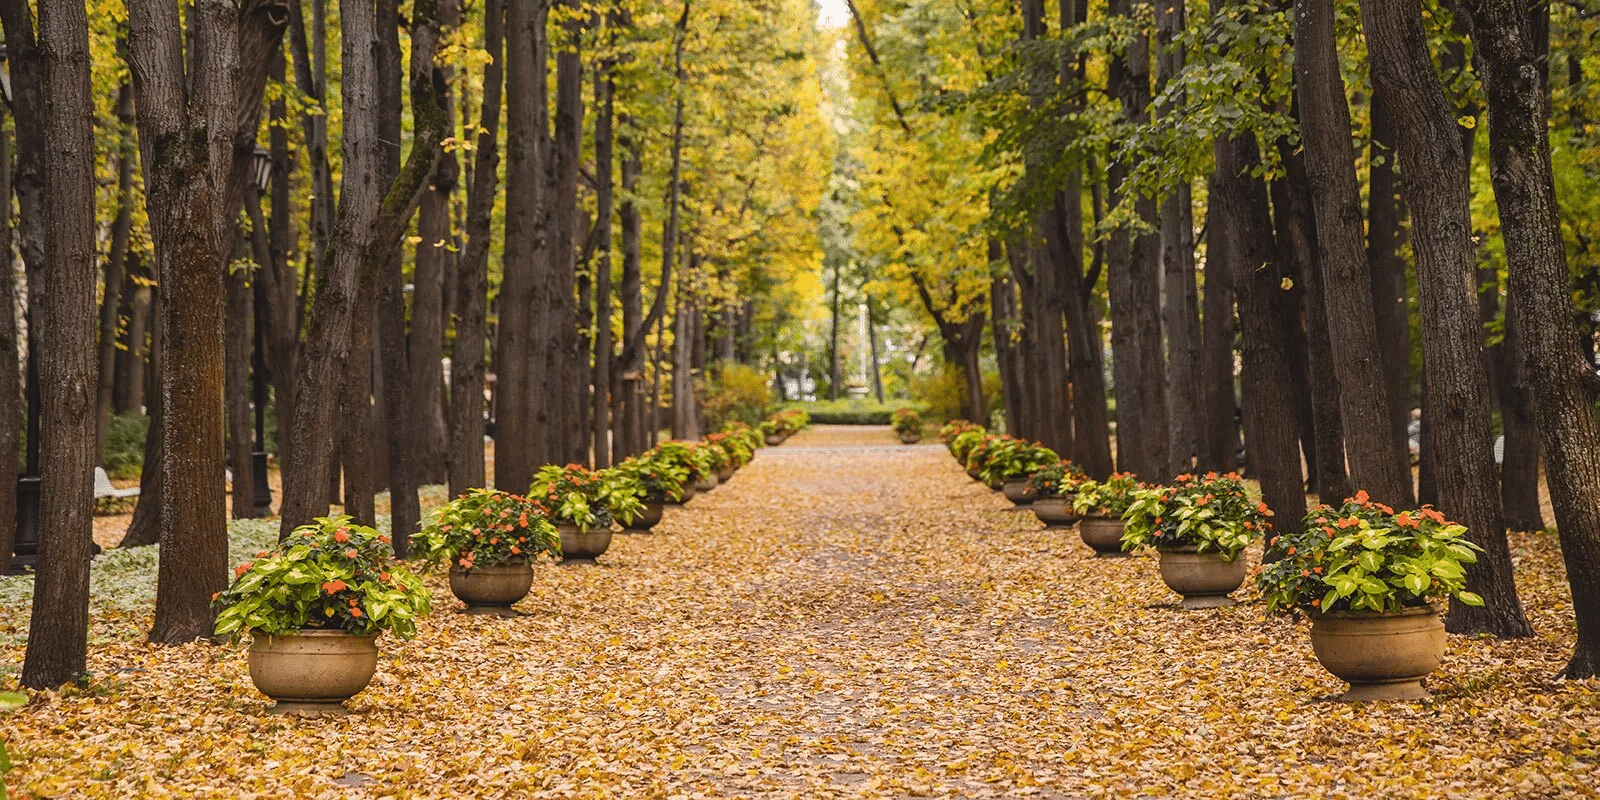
330,574
1210,513
1108,498
659,478
1056,480
1011,458
582,497
1363,556
906,420
124,456
487,527
738,393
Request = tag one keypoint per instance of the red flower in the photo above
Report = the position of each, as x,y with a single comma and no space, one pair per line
1362,497
341,536
334,586
355,612
351,553
243,568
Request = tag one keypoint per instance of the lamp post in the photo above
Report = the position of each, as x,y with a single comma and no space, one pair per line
261,171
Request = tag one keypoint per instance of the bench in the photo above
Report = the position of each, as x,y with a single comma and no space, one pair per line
105,492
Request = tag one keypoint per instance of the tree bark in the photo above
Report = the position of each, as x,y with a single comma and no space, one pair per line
1220,435
236,382
12,404
467,369
1386,214
1377,458
1435,178
566,373
59,627
116,260
1519,466
1239,214
1180,312
1563,384
600,377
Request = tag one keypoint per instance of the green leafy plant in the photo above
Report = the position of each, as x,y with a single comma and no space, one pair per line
712,457
978,455
1211,513
738,452
622,494
329,574
1362,556
950,430
1108,498
679,455
744,433
9,701
487,527
1011,458
906,421
582,497
1056,480
962,444
786,422
659,479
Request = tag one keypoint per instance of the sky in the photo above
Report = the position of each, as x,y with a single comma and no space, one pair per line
834,12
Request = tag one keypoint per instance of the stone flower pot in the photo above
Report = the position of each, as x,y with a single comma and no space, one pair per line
1383,656
726,474
491,588
706,483
1204,579
1017,491
688,494
583,547
975,474
1103,535
1055,512
647,518
312,673
774,439
910,437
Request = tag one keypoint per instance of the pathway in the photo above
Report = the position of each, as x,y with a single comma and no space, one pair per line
847,617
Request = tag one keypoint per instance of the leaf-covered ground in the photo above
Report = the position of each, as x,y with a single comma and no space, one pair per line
849,617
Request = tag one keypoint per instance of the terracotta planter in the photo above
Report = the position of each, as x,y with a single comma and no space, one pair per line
312,673
910,437
1204,579
1055,512
688,494
583,547
1103,535
1017,491
726,474
491,589
1382,656
647,518
706,484
774,439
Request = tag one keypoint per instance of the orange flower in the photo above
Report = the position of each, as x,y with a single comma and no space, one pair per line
1317,570
351,553
334,586
341,536
1404,520
383,576
1262,508
515,550
355,612
1317,603
1362,497
243,568
215,595
1349,522
523,520
1291,551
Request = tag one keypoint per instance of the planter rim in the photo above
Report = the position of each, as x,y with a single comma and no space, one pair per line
1190,549
477,566
316,633
1416,611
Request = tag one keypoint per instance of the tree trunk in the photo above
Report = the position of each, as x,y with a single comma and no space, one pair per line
116,259
59,627
236,383
467,369
1180,313
566,368
685,419
1239,213
1377,458
600,378
631,362
1386,214
425,418
12,404
515,456
1519,466
1218,399
1563,384
1435,178
834,375
1002,315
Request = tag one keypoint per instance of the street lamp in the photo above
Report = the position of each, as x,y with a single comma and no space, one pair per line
261,169
5,75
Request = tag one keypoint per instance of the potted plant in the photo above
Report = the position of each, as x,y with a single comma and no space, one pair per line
582,506
950,430
978,455
1011,462
1200,525
734,449
712,461
659,481
772,432
962,444
1368,578
490,540
679,457
1052,488
908,424
314,607
1102,504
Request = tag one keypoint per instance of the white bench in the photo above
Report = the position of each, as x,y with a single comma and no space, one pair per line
104,491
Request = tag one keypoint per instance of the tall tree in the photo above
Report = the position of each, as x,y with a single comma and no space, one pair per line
604,142
11,401
1435,178
1180,313
467,366
1377,457
1563,384
59,627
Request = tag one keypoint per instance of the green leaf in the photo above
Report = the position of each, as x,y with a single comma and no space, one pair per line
1469,598
11,701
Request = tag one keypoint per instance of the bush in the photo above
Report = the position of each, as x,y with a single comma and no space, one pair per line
852,411
124,456
739,393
